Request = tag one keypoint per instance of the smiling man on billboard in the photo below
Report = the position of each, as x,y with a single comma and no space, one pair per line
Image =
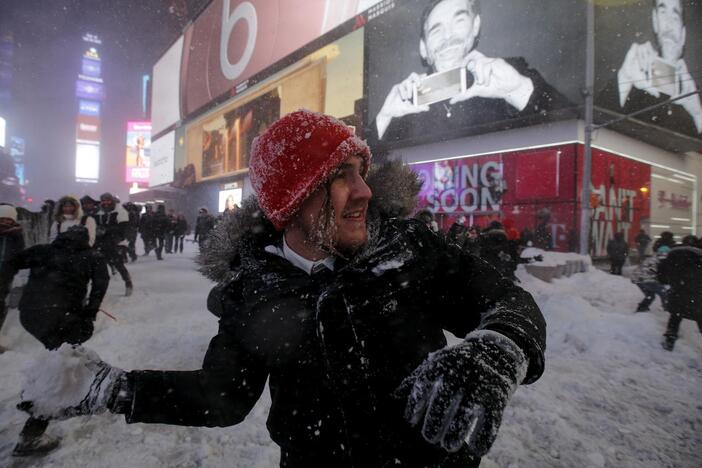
492,90
654,72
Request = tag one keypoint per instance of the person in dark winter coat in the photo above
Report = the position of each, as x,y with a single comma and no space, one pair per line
181,229
89,205
344,315
500,252
682,270
160,225
146,228
11,244
133,210
69,213
646,278
170,230
51,307
617,251
203,225
113,221
666,238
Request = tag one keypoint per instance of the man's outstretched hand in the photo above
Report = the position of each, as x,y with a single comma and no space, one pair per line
71,381
459,393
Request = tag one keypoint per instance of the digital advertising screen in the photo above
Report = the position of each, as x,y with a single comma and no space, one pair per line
162,160
90,108
442,70
90,90
229,198
87,162
91,67
138,152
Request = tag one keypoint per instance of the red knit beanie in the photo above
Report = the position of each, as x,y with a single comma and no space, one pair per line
295,156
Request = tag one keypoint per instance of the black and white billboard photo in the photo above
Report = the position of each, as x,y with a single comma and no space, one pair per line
447,68
657,57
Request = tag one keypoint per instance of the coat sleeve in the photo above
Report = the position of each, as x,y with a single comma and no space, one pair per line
474,295
220,394
20,261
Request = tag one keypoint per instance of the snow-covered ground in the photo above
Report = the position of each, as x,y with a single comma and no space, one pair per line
610,396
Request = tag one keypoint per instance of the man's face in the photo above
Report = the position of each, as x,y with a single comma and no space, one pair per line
106,204
349,196
449,35
669,28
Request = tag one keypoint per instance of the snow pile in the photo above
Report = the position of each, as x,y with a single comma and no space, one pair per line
59,377
610,395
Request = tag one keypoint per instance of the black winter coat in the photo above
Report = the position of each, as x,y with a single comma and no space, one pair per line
617,250
336,346
160,224
51,307
682,270
181,227
11,242
203,225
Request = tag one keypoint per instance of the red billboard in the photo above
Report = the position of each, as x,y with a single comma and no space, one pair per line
618,201
232,40
534,190
539,191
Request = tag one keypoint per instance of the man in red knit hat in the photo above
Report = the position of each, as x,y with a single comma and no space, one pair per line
341,304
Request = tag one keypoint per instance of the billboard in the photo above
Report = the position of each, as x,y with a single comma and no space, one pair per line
138,152
87,162
656,57
503,187
91,68
88,128
232,40
162,160
444,70
229,198
3,127
90,90
90,108
165,91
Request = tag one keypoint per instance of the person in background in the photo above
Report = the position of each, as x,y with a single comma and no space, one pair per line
112,221
11,244
645,276
427,217
170,230
617,251
51,307
682,270
203,225
666,238
132,229
642,240
181,229
69,213
89,205
146,228
161,225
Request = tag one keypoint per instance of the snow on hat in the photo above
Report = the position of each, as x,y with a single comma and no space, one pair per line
295,156
8,211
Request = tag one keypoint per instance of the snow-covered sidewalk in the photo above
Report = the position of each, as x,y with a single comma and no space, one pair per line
611,396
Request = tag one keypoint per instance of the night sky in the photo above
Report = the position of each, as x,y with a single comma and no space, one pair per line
46,64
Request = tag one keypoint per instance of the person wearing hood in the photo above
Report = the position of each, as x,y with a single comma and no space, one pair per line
69,213
181,229
51,307
160,225
11,244
146,228
133,210
498,250
617,251
112,223
682,271
89,205
645,277
204,223
342,309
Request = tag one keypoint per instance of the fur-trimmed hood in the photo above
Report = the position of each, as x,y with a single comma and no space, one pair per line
394,185
68,199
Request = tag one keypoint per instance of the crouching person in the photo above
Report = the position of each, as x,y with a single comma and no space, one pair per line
51,307
344,309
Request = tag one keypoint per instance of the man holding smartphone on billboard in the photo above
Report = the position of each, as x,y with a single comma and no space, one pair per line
497,89
653,73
